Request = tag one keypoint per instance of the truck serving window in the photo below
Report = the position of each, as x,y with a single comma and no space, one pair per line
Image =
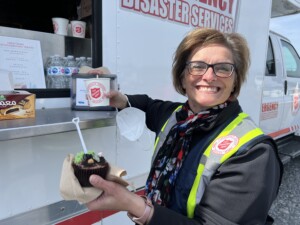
270,63
291,60
20,19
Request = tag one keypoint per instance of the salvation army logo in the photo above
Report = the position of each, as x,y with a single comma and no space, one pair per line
295,105
78,29
225,144
95,92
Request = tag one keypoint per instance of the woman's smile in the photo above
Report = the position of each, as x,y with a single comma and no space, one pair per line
207,89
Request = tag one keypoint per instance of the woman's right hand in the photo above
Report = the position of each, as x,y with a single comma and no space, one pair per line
117,99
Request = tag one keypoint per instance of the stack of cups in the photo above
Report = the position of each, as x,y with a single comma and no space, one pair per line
61,25
78,28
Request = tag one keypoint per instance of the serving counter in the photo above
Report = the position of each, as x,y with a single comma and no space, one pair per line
32,154
56,120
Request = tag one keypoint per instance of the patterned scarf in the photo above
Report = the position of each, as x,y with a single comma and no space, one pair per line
174,150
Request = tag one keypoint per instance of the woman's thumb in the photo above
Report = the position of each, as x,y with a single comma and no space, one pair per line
96,181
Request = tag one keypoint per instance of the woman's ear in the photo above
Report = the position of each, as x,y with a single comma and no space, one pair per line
233,89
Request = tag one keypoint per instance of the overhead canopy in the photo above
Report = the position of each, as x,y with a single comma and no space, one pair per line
285,7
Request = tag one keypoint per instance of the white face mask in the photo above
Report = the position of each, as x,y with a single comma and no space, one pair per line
131,123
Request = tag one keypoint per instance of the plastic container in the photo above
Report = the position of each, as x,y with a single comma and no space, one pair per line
70,68
82,61
55,73
89,61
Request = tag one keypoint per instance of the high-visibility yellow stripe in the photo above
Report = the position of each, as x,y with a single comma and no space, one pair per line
191,203
164,126
156,142
248,136
226,131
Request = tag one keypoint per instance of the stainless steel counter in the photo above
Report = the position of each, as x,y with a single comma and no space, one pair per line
49,121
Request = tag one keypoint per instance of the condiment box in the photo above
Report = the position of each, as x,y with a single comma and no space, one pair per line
16,105
79,99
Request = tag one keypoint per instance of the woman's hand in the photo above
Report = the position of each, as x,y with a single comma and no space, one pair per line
115,197
100,70
117,99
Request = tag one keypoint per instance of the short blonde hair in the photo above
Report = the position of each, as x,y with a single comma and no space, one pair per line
201,37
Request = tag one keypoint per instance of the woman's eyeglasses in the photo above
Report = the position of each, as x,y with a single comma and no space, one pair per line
199,68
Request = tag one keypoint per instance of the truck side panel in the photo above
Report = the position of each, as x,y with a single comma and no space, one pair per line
139,40
280,106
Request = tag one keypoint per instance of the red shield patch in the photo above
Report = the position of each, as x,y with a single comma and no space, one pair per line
225,144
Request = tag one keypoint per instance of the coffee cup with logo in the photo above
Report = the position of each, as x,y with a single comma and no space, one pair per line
78,28
60,25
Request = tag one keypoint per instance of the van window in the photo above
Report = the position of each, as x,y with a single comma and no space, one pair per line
291,60
270,63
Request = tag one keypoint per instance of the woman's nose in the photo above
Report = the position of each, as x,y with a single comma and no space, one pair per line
209,75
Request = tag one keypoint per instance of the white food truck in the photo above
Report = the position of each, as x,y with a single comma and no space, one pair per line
136,40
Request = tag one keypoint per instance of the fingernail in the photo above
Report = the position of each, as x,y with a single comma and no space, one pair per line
92,178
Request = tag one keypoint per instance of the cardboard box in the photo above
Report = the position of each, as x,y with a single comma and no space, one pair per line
16,105
85,8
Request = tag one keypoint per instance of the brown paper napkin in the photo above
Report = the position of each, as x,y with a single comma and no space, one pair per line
86,69
70,188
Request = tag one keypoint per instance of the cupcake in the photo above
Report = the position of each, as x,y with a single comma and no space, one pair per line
85,165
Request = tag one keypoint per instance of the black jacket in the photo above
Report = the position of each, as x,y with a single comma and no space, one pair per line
243,188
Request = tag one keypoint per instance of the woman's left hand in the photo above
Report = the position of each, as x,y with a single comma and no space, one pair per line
115,197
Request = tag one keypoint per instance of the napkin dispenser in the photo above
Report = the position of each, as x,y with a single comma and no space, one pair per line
79,99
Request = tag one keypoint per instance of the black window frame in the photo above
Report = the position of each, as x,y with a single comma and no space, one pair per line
270,61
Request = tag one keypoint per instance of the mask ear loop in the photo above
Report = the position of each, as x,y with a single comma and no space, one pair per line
124,108
128,101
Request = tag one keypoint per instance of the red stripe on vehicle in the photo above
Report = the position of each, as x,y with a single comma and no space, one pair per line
280,132
87,218
91,217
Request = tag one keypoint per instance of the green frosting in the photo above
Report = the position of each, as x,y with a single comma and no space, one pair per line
80,156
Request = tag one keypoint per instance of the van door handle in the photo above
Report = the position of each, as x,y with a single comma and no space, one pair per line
285,87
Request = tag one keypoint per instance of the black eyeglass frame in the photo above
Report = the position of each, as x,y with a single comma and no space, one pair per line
188,63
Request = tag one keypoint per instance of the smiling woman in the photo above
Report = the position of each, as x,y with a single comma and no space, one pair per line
208,154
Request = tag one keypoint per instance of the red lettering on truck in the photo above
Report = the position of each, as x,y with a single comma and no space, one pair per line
217,14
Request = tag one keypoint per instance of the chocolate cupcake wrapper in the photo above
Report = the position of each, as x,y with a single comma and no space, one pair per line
70,188
83,175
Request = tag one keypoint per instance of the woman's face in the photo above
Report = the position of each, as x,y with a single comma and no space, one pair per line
208,90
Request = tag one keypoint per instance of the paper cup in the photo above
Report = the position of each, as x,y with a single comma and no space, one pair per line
78,28
96,89
60,25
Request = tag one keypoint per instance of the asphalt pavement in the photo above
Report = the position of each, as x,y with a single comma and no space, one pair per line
286,208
